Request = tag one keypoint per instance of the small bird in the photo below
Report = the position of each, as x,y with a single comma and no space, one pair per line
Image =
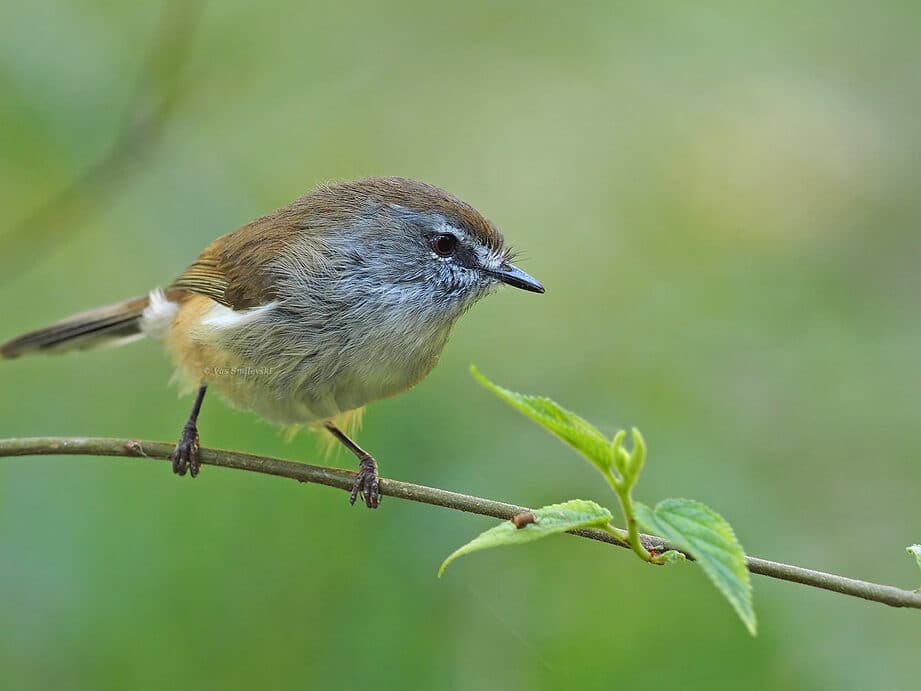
342,297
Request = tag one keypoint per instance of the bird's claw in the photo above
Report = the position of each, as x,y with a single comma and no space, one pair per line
187,455
366,483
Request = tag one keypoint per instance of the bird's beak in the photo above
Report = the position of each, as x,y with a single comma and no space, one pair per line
512,275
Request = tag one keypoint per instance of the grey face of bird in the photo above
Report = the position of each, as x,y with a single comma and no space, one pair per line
426,261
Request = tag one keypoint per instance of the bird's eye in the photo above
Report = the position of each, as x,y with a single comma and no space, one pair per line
444,245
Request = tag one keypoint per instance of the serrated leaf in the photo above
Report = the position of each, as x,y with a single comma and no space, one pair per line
705,535
915,551
548,520
572,429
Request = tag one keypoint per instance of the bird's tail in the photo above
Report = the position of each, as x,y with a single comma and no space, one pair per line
115,324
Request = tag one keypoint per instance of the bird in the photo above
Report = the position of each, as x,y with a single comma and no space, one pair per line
305,315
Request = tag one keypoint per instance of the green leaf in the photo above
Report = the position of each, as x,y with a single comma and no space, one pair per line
706,536
572,429
670,557
619,456
629,464
915,551
548,520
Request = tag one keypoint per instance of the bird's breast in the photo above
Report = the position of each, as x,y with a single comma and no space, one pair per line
294,368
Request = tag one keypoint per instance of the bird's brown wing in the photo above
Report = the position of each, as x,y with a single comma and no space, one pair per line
236,270
206,277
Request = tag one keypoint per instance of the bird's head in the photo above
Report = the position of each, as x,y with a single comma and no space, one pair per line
416,242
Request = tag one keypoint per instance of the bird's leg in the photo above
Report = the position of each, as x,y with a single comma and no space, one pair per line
366,483
187,453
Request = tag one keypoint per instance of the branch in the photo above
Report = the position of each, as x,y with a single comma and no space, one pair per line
343,479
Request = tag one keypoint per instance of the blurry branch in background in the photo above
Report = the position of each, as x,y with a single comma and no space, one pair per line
343,479
152,103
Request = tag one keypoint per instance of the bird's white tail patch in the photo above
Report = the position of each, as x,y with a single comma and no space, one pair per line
158,315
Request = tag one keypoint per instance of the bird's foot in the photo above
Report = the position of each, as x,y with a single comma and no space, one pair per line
366,483
187,456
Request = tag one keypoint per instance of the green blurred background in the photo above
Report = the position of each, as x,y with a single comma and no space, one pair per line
722,200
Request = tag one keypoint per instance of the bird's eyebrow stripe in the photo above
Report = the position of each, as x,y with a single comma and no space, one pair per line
446,226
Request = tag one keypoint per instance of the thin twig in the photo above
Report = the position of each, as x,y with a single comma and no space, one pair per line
343,479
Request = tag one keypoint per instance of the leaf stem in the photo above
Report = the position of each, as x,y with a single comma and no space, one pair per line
621,535
624,492
629,466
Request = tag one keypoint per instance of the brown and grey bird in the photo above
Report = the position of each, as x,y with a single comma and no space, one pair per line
304,316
